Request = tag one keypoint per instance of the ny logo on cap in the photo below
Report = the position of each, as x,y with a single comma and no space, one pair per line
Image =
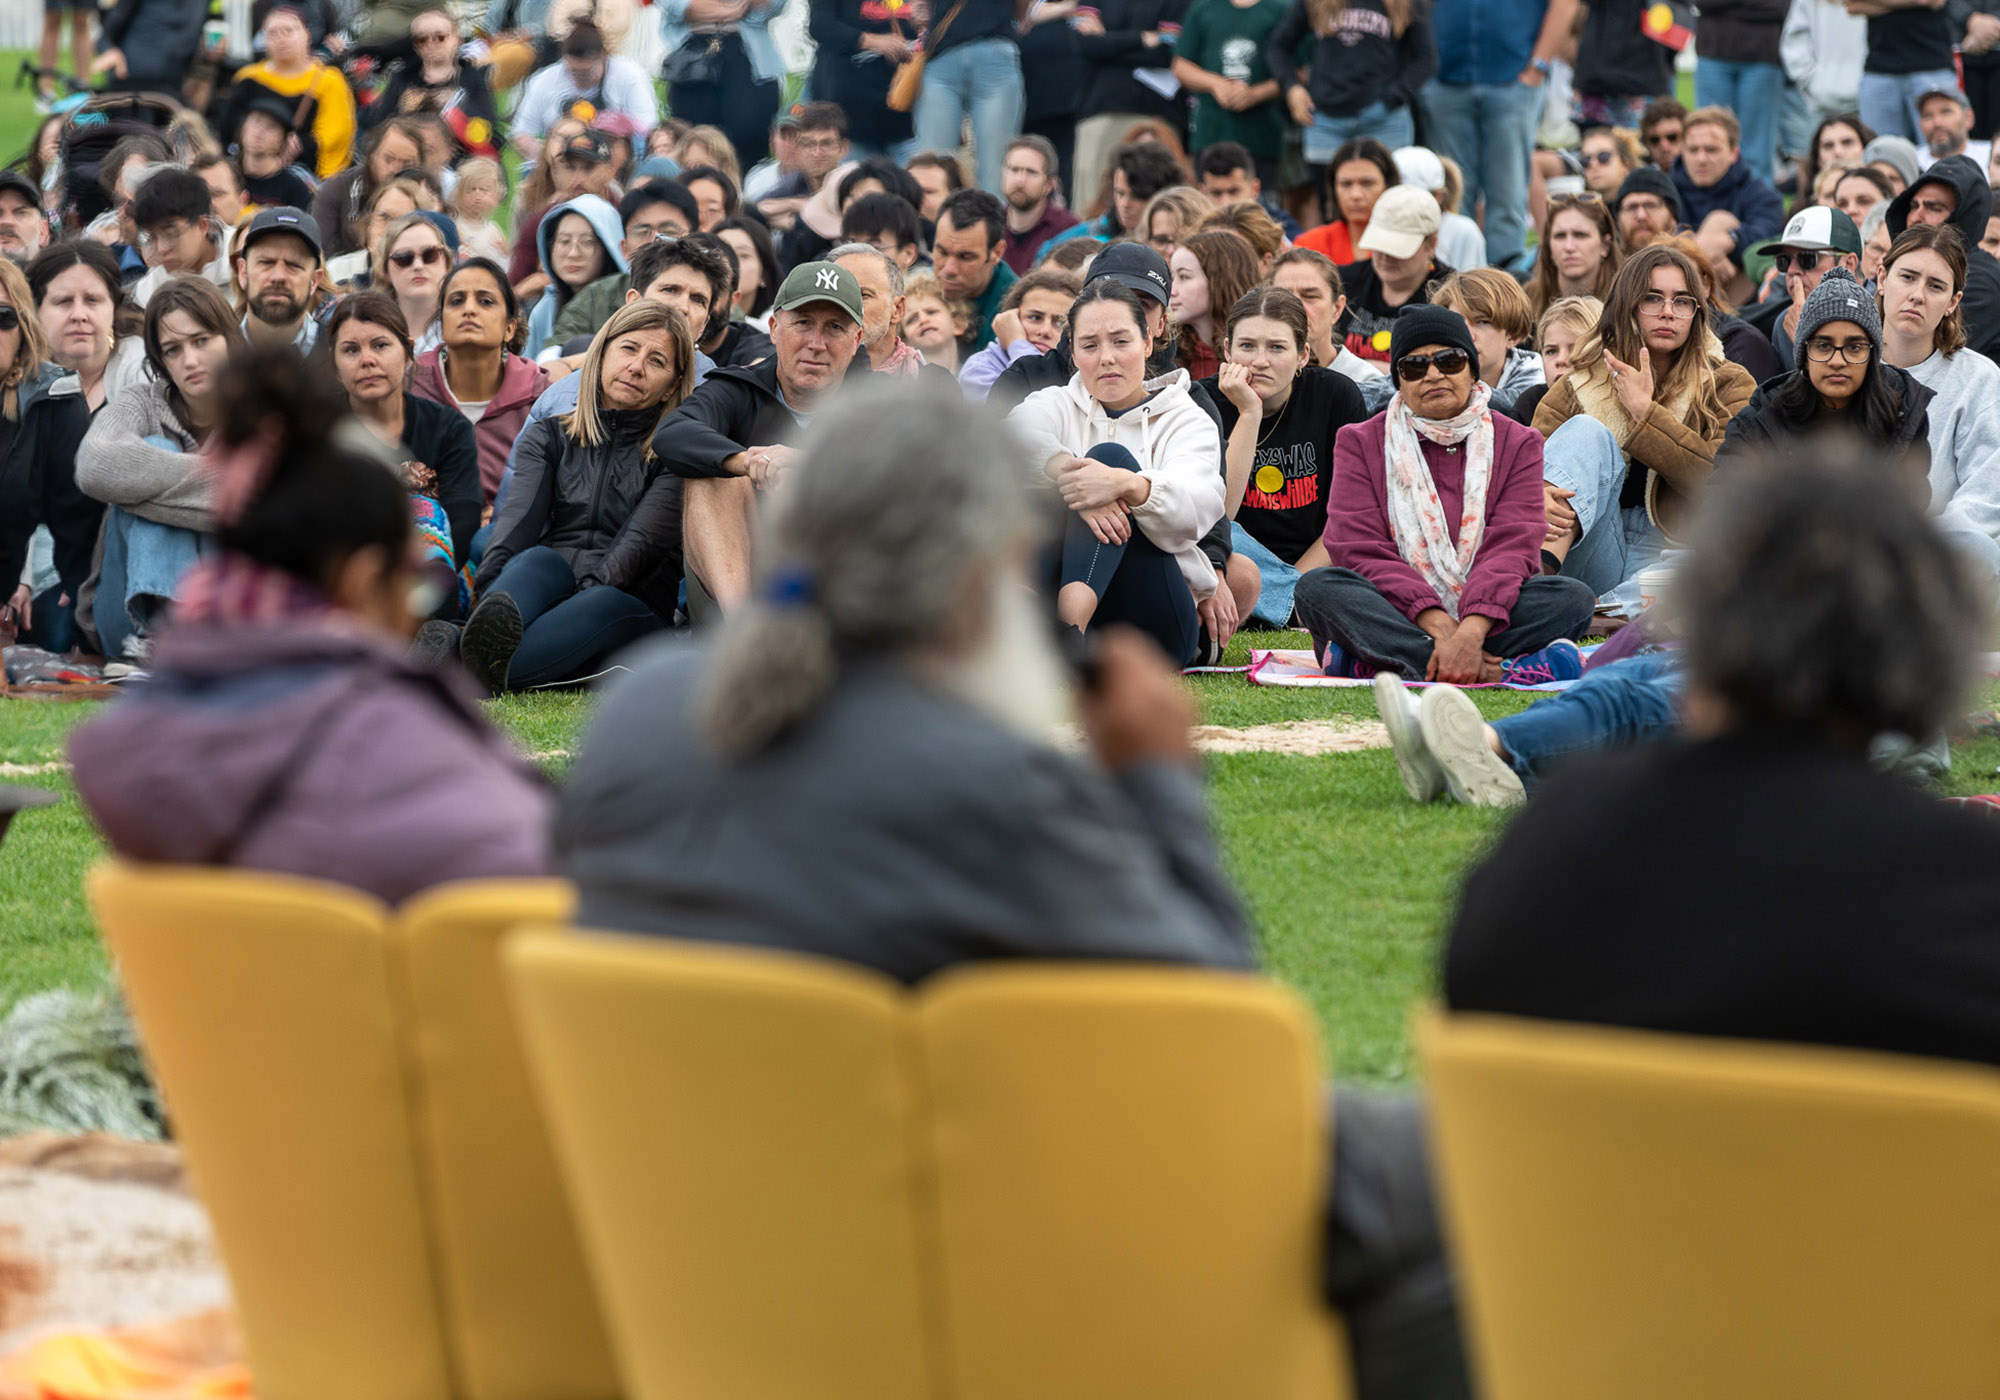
829,279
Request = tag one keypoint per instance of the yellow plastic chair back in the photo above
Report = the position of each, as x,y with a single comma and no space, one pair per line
1657,1217
797,1178
523,1317
1131,1168
266,1005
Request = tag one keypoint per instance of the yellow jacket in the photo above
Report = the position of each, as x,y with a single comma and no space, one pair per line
333,122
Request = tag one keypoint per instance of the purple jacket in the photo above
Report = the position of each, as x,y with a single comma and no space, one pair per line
521,383
1357,517
311,751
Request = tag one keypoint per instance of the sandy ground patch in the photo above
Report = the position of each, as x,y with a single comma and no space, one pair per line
1307,738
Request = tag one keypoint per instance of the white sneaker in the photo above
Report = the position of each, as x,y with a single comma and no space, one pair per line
1422,778
1455,733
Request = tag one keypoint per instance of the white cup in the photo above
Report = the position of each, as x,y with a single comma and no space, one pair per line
1652,583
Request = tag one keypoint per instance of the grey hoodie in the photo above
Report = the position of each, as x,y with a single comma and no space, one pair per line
1965,450
119,466
1522,372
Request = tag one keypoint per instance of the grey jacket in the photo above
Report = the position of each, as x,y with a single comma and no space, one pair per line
897,828
119,466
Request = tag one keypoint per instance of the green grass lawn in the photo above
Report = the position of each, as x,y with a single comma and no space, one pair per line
1350,883
17,105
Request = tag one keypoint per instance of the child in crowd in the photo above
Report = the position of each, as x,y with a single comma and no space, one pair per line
1496,309
481,188
933,322
1031,321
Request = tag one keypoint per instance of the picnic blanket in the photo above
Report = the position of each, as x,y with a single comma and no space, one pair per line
198,1357
1301,668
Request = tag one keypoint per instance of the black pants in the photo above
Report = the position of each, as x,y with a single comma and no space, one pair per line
1339,605
1982,90
1385,1267
735,101
1136,583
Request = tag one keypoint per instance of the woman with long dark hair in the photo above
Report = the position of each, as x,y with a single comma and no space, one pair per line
478,367
1633,428
1580,253
1841,385
1360,172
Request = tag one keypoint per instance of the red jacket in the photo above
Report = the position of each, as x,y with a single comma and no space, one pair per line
521,384
1357,517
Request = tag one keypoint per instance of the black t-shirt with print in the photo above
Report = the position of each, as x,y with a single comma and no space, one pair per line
285,186
1284,506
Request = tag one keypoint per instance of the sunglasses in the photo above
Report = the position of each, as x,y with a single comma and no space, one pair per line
429,257
1804,262
1661,138
10,319
1570,201
1411,368
1601,158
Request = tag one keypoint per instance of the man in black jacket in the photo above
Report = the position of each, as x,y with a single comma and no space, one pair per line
1954,191
733,436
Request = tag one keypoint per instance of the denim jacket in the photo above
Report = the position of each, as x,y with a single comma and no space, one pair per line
754,28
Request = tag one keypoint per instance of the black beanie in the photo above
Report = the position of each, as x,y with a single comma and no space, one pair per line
1650,179
1430,325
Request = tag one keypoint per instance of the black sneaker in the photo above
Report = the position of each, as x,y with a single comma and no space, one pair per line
492,636
435,645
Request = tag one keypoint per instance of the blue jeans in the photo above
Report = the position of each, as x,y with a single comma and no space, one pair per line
142,564
568,634
1614,707
1274,599
1489,129
1582,456
1889,100
1392,126
983,79
1755,92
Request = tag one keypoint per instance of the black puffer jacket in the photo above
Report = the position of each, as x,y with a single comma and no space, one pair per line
38,477
1981,307
1763,431
612,511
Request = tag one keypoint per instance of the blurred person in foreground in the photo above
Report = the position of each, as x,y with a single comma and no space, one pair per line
285,727
885,701
1871,923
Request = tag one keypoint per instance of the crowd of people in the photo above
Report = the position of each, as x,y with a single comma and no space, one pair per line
424,362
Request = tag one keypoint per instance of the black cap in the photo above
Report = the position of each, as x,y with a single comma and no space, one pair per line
1430,325
19,183
586,146
283,219
1137,266
1650,179
273,106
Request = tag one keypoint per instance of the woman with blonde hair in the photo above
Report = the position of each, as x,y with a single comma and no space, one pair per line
1173,215
708,146
1566,324
1633,430
585,557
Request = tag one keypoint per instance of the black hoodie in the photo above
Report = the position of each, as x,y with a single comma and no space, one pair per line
1981,307
1763,429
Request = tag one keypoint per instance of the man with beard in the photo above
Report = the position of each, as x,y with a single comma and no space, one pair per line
732,437
24,229
277,269
966,254
1647,207
1029,181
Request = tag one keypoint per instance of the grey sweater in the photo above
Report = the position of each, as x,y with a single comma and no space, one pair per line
898,828
118,466
1965,449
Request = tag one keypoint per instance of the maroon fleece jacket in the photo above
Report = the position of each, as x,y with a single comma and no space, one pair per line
1357,517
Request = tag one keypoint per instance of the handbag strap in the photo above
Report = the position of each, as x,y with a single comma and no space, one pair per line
934,39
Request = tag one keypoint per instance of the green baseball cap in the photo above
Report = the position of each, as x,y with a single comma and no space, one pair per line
821,281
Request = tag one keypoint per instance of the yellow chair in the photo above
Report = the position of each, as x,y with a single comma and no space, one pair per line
797,1178
1657,1217
355,1107
266,1008
522,1316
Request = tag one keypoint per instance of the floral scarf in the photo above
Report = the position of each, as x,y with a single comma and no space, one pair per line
1427,541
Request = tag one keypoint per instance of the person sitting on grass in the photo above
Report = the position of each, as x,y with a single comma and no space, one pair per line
585,555
284,727
1820,607
884,701
1434,522
1280,413
1032,319
1134,459
1496,310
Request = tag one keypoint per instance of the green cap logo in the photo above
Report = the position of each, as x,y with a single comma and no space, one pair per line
821,281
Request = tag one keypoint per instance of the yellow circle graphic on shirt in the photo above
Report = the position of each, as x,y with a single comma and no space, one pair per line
1270,480
1659,19
1381,340
478,132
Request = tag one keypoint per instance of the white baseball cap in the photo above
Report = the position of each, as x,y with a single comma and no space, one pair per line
1404,217
1419,166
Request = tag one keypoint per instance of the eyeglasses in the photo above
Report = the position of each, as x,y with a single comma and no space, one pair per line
150,239
1804,262
1679,307
1664,137
1821,351
1601,158
10,319
410,257
1411,368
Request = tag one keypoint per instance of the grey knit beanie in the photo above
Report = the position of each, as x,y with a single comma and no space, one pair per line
1838,297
